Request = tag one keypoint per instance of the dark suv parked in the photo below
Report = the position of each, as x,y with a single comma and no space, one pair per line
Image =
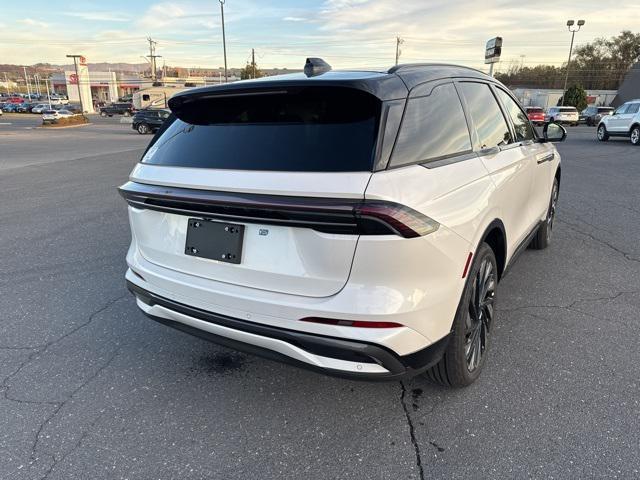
125,109
149,121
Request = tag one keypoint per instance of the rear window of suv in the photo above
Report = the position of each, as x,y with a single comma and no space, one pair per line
308,129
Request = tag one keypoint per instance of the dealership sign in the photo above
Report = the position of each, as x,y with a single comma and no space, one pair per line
493,50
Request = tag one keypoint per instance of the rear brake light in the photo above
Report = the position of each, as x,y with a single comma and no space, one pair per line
329,215
351,323
405,221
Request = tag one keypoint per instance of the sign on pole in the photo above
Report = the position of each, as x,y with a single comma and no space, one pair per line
493,50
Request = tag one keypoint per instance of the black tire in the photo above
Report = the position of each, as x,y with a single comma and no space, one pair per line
552,120
602,133
542,239
635,135
459,366
143,128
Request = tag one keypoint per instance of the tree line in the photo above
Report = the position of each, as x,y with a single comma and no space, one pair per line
599,65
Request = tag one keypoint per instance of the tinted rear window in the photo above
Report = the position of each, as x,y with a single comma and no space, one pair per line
305,129
567,109
534,110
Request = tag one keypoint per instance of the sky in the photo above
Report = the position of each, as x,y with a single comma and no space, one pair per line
346,33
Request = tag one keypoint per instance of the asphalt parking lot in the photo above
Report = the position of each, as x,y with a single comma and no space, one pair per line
90,388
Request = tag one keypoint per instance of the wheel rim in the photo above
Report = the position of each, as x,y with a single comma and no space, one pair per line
142,129
552,211
480,314
600,132
635,136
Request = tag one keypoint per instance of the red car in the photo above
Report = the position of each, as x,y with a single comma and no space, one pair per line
14,100
536,115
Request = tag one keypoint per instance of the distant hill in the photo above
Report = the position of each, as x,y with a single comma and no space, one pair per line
16,72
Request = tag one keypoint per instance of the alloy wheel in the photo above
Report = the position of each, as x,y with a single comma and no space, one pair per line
635,136
480,314
600,132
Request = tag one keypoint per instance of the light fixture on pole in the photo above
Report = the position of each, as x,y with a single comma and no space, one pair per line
573,29
224,40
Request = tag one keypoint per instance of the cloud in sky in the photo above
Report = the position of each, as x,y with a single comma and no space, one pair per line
345,32
33,23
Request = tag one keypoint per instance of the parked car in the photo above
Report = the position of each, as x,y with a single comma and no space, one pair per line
299,218
39,108
536,115
593,114
73,108
52,116
624,122
148,120
125,109
10,107
14,100
24,107
563,115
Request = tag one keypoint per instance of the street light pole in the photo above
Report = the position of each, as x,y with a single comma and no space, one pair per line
224,40
26,80
573,30
75,63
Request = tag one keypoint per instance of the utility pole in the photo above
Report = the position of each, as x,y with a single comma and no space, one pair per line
573,31
6,82
399,41
253,63
75,64
26,81
224,41
152,57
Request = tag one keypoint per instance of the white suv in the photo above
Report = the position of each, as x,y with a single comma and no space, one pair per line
563,115
355,223
624,122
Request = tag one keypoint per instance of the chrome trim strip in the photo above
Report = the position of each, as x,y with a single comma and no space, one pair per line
274,344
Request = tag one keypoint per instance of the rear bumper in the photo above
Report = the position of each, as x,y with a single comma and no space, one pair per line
329,355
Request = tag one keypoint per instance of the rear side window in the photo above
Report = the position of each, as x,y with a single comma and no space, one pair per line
486,115
321,129
521,124
633,108
433,127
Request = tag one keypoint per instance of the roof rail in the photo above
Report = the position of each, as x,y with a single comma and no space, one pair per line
397,68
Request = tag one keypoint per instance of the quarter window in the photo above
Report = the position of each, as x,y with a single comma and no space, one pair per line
433,127
483,108
520,121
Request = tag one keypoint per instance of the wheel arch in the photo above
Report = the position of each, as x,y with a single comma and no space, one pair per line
495,236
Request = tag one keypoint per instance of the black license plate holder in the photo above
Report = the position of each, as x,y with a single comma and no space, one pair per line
214,240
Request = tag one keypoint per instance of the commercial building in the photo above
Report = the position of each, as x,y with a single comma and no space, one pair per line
547,97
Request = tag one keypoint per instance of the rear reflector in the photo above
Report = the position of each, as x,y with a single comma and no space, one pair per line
352,323
466,265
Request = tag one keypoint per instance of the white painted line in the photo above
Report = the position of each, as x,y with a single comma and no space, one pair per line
6,123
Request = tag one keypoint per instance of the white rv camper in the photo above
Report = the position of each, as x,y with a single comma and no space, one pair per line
155,97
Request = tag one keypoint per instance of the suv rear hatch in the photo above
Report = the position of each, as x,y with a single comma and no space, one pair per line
282,169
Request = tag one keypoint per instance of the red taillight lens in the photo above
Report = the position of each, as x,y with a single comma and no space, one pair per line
352,323
404,220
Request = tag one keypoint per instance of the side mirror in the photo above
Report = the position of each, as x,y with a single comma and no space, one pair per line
553,132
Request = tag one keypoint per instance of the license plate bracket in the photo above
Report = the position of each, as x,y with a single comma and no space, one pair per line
214,240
